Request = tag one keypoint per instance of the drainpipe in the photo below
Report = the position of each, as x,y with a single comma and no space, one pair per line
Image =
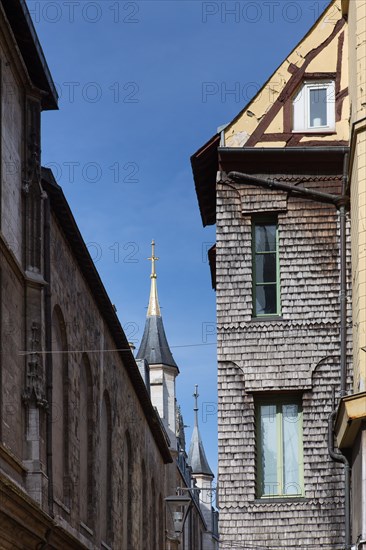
343,266
311,194
337,457
48,345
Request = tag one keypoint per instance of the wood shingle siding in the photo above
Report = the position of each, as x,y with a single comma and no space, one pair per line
296,352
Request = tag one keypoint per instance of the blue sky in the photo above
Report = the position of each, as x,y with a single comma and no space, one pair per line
142,86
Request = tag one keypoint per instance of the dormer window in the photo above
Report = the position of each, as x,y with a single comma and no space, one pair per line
314,107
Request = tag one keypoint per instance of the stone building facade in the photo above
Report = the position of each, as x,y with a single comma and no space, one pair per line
273,182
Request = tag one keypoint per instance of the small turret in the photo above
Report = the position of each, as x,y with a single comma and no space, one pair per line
197,456
203,476
154,349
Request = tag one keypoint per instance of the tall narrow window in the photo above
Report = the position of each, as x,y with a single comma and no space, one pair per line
144,508
1,164
60,435
85,442
266,276
153,516
161,522
106,468
127,490
279,448
1,310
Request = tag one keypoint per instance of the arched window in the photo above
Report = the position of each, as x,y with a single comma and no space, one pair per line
127,493
161,523
85,441
60,413
106,468
144,507
153,515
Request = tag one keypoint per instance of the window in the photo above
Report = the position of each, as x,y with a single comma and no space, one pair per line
279,448
161,522
106,468
85,442
266,292
128,518
153,519
144,509
60,403
314,107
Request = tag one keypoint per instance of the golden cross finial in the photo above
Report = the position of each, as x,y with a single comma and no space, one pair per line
153,308
195,395
153,259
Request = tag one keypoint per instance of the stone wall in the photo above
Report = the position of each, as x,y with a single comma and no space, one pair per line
88,337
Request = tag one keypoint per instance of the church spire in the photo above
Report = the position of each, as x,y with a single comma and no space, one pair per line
154,308
154,346
197,456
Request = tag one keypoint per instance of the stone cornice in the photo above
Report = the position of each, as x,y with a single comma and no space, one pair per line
7,456
11,259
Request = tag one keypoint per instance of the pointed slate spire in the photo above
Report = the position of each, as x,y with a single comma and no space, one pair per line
197,456
154,345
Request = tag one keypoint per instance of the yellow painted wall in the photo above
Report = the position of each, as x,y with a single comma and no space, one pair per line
357,86
238,132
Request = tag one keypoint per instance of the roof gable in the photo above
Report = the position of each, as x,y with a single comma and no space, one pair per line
321,55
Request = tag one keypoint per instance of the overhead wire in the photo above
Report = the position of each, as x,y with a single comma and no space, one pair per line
101,350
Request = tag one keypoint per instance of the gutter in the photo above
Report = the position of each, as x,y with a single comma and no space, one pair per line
281,151
293,189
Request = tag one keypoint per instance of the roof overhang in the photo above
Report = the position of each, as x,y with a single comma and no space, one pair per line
212,262
283,160
31,51
61,209
205,166
211,158
350,415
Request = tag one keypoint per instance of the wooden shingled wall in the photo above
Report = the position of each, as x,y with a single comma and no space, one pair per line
297,352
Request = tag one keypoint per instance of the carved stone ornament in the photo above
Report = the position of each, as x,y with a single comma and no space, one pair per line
180,428
34,390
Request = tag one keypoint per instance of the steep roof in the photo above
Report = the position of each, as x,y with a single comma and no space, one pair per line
197,456
154,345
62,211
31,51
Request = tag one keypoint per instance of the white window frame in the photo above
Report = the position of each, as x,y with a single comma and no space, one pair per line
301,107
